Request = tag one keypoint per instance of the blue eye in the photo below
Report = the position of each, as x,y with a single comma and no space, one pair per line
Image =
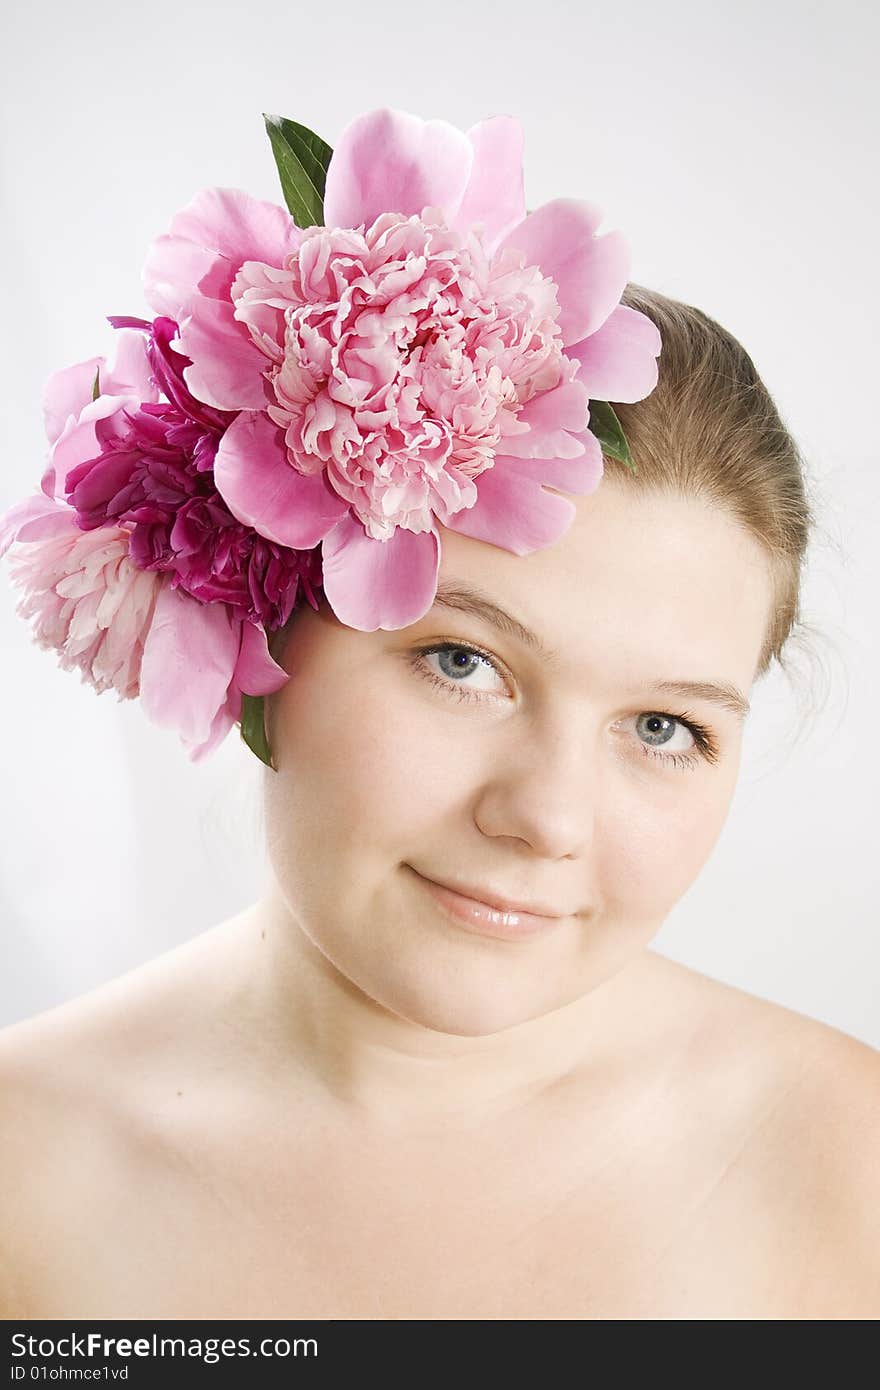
646,724
459,662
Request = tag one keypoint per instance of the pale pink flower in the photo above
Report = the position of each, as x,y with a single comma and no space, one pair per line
128,629
426,359
88,602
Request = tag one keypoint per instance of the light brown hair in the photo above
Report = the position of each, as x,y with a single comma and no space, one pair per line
710,429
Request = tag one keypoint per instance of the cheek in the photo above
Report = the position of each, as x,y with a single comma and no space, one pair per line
654,846
364,772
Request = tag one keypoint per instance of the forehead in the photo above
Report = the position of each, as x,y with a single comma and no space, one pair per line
643,585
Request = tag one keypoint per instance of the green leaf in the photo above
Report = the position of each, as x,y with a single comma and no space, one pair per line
302,158
96,390
253,728
609,432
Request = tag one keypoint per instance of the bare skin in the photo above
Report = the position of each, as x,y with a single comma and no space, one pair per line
343,1104
719,1169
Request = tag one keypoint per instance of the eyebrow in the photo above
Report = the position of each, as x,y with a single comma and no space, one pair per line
465,598
722,693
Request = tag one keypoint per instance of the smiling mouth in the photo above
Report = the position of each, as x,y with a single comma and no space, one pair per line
484,919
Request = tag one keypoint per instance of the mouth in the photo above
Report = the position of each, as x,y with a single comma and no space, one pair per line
497,918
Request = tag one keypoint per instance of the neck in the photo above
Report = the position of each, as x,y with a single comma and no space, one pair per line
308,1020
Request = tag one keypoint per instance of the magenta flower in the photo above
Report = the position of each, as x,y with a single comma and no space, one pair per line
143,629
150,464
128,629
425,359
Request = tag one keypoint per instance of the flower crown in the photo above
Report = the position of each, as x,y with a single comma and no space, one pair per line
406,344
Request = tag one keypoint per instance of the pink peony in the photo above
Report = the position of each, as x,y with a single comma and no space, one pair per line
132,457
88,601
129,629
425,359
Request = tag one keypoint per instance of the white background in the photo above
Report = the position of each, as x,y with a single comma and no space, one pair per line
735,145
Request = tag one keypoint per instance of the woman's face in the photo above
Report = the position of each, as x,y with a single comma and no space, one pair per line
542,776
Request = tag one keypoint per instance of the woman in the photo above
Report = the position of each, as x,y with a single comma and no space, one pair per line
436,1070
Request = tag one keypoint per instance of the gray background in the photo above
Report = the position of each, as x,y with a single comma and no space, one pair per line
736,146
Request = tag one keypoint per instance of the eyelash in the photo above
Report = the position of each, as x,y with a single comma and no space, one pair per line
703,738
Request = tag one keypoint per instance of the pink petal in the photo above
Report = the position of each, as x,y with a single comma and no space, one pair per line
554,418
189,657
173,272
619,361
66,392
264,490
256,673
371,583
49,480
226,222
389,161
33,519
237,226
69,392
514,512
494,195
78,440
129,372
226,717
227,366
577,475
69,410
591,271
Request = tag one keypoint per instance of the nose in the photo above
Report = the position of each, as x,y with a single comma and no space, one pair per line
542,791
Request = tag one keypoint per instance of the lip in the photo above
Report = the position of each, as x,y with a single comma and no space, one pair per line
498,917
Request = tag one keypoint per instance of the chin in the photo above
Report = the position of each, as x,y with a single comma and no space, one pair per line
474,1009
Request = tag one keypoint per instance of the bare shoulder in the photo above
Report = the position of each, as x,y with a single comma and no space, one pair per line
828,1139
89,1038
809,1101
80,1086
49,1130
